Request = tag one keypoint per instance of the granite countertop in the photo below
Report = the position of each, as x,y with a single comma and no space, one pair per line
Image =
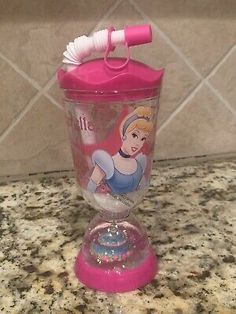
189,213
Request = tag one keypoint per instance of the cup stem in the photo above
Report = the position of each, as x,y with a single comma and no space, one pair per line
112,217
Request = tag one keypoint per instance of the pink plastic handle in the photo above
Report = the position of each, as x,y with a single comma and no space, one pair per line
137,35
111,48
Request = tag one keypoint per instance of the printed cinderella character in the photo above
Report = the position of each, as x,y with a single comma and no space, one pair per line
121,172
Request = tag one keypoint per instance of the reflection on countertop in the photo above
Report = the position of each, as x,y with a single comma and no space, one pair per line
189,213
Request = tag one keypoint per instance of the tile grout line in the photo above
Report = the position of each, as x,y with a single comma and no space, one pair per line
20,72
41,91
218,95
53,100
213,72
187,62
194,92
47,95
20,116
180,107
107,14
24,112
212,88
31,81
221,62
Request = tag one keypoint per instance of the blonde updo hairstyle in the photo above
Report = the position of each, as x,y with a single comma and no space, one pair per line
145,124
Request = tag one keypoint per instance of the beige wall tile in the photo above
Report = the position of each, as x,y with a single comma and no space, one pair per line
203,127
203,30
40,136
225,79
54,158
179,80
15,93
34,33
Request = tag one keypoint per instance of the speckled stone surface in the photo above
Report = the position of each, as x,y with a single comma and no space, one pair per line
189,213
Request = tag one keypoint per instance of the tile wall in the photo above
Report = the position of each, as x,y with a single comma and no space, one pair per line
194,40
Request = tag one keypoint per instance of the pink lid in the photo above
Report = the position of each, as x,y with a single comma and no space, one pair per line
95,81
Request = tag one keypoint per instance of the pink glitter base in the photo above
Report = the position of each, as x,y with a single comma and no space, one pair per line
115,280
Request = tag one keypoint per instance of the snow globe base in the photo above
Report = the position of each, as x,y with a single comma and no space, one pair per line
115,256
